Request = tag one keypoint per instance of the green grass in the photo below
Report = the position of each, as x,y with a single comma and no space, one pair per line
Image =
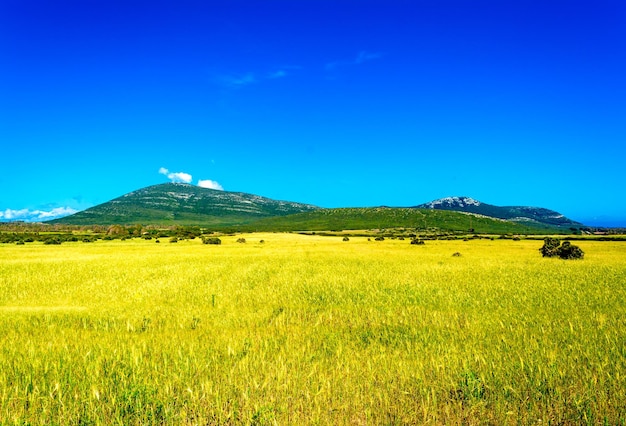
311,330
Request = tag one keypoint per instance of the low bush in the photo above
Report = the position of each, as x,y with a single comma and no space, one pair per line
552,247
211,240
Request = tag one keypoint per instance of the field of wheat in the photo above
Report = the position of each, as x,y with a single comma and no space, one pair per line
311,330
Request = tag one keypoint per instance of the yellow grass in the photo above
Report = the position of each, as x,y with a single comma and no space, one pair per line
311,330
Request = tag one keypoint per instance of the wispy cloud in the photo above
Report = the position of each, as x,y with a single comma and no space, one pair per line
362,57
238,80
250,78
211,184
277,74
28,215
176,176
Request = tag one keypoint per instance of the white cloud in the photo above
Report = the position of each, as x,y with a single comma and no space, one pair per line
211,184
56,212
176,176
28,215
187,178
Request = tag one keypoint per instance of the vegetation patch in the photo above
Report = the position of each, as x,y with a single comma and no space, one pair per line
552,247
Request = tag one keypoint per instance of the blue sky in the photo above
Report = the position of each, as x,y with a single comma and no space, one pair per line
333,103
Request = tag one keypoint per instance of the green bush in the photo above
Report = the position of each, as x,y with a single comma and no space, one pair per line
212,240
552,247
570,251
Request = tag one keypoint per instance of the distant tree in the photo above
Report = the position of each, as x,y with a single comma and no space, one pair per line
417,241
117,231
173,240
379,239
346,239
241,240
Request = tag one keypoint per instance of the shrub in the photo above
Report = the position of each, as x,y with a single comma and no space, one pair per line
417,241
550,247
456,254
553,248
346,239
173,240
379,239
213,240
241,240
570,251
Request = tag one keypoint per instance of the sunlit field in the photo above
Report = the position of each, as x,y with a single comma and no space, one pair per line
311,330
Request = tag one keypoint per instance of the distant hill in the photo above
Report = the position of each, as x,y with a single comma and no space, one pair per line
184,204
180,203
518,214
389,217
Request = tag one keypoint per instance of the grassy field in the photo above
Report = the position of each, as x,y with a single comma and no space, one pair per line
311,330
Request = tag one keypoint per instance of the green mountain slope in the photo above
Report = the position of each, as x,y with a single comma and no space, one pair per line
179,203
386,217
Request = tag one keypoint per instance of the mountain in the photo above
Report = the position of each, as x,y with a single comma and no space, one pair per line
184,204
181,203
424,220
519,214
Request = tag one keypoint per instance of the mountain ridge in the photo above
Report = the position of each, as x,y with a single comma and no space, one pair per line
186,204
511,213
